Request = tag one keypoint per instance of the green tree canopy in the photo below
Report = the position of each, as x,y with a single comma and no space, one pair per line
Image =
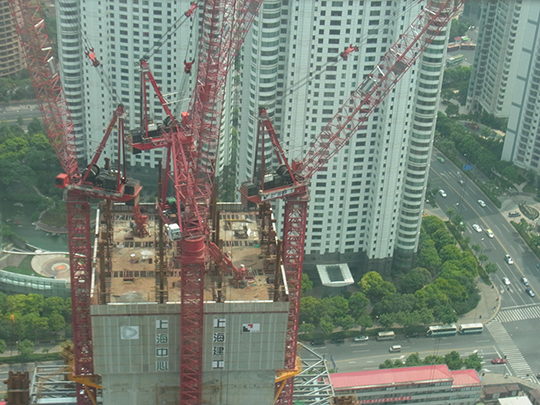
473,361
375,288
453,360
415,279
358,303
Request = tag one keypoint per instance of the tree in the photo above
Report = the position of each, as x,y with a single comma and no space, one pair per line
483,258
473,361
450,252
476,248
386,320
25,349
326,325
358,303
442,238
306,327
452,110
491,267
453,360
388,363
365,321
432,360
346,322
307,284
398,363
375,288
308,310
446,314
432,224
56,322
415,279
413,360
3,346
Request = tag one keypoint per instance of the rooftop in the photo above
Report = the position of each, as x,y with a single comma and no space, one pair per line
391,377
134,268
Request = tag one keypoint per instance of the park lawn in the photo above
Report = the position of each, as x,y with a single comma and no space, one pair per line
25,268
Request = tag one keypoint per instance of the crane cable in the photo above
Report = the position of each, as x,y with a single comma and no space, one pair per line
323,68
167,36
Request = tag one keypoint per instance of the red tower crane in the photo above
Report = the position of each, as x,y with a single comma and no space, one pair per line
192,148
290,182
79,186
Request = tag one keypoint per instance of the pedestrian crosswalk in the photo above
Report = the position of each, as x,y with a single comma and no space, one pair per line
519,314
516,361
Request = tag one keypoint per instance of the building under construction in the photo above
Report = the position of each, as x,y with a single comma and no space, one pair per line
136,337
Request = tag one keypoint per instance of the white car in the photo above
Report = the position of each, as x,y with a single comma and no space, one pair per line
489,233
362,338
506,281
442,193
477,227
482,203
508,259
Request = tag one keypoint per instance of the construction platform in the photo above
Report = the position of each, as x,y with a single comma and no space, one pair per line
134,267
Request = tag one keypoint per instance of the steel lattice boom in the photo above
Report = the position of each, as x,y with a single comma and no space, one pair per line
354,113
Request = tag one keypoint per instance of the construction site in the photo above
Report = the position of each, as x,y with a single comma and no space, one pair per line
187,300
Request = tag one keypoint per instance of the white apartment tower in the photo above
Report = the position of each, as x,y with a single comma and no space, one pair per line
366,207
522,141
121,32
502,32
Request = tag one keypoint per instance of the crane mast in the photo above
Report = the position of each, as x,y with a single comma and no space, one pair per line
291,183
79,186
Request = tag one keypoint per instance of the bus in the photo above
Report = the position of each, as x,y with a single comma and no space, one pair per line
468,47
442,330
454,61
470,328
386,335
453,47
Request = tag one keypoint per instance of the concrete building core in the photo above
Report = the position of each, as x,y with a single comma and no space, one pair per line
137,340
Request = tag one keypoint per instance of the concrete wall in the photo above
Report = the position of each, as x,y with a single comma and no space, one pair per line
136,350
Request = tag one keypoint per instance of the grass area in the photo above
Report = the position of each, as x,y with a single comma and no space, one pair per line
529,188
25,268
32,358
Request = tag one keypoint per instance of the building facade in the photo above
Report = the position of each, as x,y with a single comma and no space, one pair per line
366,205
503,33
410,385
11,60
522,140
120,33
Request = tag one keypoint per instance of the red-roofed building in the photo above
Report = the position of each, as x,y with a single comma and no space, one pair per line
410,385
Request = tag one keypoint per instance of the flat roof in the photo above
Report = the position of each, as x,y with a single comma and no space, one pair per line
335,275
523,400
391,377
465,378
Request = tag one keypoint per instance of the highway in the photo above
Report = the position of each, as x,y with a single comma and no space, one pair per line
13,112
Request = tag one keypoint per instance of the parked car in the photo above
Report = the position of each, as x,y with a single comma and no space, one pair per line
498,360
508,259
442,193
337,340
506,281
525,281
317,342
477,227
514,214
529,291
412,335
482,203
362,338
489,233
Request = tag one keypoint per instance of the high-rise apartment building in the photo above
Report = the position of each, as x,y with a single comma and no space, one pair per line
367,205
522,140
121,32
11,60
503,31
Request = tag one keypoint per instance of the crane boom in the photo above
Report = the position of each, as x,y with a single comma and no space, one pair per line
356,110
44,73
377,84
